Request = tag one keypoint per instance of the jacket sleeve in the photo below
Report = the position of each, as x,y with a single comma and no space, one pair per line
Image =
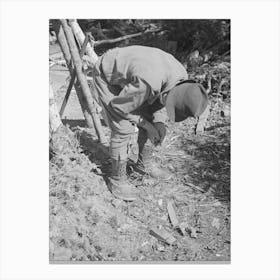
132,96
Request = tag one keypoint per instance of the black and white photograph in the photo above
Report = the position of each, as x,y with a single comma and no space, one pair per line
139,140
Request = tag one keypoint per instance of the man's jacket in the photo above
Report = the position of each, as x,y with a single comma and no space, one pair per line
143,75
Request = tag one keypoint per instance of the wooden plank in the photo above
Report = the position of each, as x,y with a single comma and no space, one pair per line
173,218
162,235
172,215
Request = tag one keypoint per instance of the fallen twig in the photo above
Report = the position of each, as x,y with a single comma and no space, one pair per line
195,187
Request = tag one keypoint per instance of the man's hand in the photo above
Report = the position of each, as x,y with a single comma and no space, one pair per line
161,129
153,134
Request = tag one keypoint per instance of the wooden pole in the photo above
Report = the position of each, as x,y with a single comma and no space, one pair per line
80,36
54,118
67,56
82,79
93,57
73,78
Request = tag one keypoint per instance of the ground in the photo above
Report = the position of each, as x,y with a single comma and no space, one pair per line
88,224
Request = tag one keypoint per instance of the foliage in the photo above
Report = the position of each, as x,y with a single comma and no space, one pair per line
198,34
194,34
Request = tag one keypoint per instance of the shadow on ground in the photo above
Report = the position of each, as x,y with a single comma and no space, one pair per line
210,166
73,124
207,162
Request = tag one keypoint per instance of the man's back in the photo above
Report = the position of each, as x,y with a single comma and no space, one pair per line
160,70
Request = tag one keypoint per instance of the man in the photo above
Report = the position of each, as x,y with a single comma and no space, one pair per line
144,87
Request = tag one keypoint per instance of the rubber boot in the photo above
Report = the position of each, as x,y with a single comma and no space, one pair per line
118,183
146,165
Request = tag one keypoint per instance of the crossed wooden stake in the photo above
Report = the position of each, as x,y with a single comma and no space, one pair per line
66,38
73,77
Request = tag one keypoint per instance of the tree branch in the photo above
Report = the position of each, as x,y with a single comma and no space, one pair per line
119,39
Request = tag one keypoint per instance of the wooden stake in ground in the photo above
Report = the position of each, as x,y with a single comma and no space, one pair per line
54,118
67,56
82,79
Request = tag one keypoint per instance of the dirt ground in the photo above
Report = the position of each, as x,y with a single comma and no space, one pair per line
88,224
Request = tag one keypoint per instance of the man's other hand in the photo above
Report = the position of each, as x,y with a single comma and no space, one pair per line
161,129
152,133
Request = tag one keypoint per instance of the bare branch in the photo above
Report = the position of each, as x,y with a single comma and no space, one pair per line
119,39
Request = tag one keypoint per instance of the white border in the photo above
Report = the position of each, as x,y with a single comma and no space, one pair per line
24,138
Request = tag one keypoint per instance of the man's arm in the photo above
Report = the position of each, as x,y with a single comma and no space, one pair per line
132,96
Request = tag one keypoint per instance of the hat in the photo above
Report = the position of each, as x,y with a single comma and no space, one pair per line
185,100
